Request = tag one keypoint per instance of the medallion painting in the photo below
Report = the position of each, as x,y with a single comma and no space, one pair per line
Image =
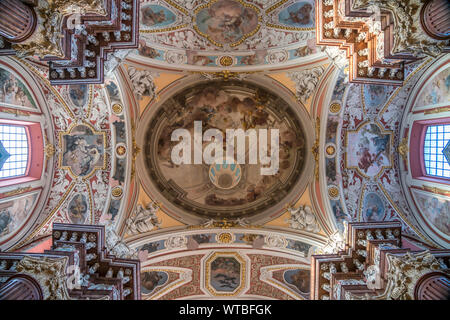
83,150
219,189
14,212
78,209
226,21
298,15
13,91
373,208
225,273
374,96
151,280
156,16
298,279
436,210
78,94
368,150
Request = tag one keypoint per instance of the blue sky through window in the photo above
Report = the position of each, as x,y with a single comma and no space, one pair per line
437,139
13,148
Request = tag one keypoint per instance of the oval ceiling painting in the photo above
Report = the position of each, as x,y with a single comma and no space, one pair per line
298,15
226,21
224,149
156,16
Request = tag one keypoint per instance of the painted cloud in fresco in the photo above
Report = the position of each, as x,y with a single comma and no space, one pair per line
13,91
156,16
368,150
436,210
226,21
14,212
300,15
437,91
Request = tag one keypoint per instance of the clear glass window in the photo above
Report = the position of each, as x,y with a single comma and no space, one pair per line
13,151
436,150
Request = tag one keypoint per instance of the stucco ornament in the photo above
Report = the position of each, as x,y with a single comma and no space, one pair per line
306,82
144,219
409,35
337,56
46,40
335,243
276,241
303,218
403,273
176,242
142,81
50,273
115,244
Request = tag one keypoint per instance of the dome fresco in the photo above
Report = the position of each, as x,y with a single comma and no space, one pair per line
225,188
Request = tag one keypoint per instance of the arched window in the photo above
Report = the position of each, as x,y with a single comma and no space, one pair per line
436,150
14,151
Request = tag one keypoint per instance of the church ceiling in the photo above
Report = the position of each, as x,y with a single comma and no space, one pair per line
219,229
219,190
236,34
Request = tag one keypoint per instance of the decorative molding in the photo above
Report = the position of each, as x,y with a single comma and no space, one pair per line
303,218
143,220
306,82
50,273
142,81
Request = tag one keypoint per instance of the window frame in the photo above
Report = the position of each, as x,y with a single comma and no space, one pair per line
417,143
35,153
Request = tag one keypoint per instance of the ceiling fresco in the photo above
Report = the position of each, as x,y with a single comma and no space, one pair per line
218,228
220,190
226,33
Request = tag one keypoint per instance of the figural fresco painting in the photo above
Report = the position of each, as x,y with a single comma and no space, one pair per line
368,149
13,91
438,91
299,15
435,209
374,96
78,208
83,150
14,212
225,274
78,94
156,16
298,279
226,21
373,208
150,280
221,187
